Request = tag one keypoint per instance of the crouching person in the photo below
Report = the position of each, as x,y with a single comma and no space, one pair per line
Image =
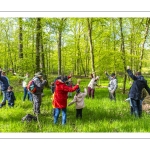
10,96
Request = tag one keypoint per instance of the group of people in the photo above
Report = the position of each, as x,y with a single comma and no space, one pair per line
60,90
9,95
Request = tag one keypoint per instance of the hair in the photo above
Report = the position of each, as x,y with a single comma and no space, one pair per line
11,87
113,74
138,73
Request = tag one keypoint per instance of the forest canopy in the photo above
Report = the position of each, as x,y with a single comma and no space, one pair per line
77,45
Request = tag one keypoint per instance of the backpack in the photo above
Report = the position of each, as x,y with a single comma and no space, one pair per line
31,86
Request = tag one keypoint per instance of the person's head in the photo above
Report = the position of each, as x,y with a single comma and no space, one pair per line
113,75
138,73
78,90
39,75
10,88
64,78
3,73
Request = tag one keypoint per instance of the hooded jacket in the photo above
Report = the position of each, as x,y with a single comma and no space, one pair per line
61,94
79,100
137,86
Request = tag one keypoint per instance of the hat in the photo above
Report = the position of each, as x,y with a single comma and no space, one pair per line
78,90
113,74
38,74
64,78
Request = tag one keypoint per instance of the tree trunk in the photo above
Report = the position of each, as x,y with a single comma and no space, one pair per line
123,56
20,39
38,33
89,21
145,37
59,52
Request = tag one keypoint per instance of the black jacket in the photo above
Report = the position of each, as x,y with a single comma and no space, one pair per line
137,86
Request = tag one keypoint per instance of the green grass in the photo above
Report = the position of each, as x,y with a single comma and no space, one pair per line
99,115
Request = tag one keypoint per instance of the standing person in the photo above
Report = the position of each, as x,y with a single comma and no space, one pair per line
37,96
25,81
4,86
113,84
79,100
60,98
91,86
10,96
136,91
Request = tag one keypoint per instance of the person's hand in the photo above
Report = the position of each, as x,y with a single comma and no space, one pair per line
78,81
105,72
128,67
112,91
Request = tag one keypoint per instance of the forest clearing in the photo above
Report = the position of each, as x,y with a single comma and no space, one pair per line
58,46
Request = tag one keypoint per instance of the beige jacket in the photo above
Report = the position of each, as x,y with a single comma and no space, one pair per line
79,100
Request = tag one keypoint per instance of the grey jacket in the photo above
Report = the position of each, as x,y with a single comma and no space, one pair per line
113,84
40,85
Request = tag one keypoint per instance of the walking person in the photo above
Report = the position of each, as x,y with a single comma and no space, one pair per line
60,98
91,86
136,91
79,101
113,84
4,86
37,96
10,96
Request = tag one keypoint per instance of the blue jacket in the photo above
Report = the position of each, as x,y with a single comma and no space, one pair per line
4,82
137,86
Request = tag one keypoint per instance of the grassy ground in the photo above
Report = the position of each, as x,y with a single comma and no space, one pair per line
99,115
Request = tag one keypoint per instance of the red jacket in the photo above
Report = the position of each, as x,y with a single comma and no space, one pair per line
61,94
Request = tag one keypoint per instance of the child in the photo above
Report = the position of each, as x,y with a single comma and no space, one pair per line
79,100
10,96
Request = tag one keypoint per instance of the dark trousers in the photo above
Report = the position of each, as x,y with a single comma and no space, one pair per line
137,107
112,96
91,92
79,113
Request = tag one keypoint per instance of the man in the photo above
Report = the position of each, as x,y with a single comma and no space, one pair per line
37,96
136,91
4,86
113,84
60,98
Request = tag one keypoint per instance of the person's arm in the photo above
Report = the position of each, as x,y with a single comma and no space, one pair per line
71,89
108,76
85,92
131,74
73,101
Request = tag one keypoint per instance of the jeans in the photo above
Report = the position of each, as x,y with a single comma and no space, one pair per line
56,115
137,107
27,93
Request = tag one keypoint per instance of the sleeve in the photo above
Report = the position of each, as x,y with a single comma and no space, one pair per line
85,92
108,76
38,83
70,89
73,101
131,74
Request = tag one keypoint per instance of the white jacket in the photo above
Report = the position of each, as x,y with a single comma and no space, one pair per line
79,100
